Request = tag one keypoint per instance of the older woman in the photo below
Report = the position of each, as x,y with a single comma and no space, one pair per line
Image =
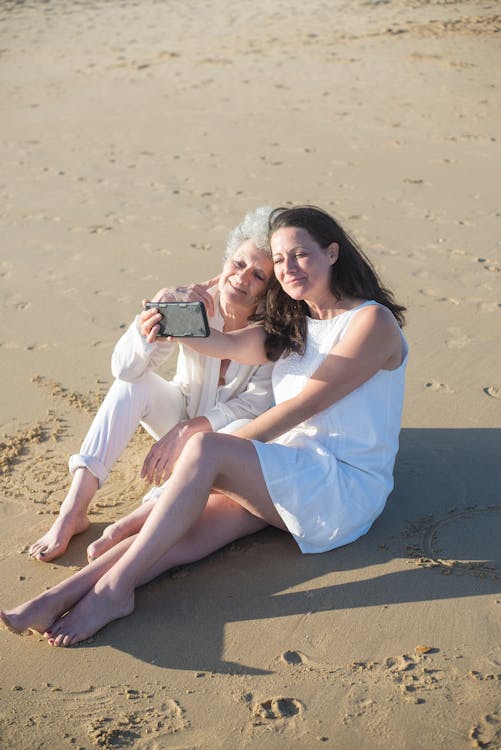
205,395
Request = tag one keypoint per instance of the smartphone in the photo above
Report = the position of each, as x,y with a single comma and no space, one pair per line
181,319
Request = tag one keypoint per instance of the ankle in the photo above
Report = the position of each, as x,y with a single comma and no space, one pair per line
71,511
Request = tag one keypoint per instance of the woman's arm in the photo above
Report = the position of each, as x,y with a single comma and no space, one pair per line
139,349
133,355
245,346
372,342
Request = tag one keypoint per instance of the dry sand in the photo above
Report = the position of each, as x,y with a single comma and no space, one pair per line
133,135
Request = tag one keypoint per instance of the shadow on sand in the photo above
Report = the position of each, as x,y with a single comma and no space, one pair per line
442,476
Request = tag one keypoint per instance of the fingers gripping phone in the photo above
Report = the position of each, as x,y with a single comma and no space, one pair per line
181,319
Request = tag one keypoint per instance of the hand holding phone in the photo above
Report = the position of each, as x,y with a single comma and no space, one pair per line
195,292
181,319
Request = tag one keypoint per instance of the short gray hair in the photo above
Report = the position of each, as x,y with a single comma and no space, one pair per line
254,226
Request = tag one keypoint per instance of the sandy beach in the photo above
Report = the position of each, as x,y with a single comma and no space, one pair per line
133,137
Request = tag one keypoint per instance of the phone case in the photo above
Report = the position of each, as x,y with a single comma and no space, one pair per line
182,319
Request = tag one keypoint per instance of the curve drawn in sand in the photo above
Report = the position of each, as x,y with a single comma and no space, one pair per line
443,546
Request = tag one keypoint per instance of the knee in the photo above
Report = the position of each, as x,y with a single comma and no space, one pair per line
127,389
201,445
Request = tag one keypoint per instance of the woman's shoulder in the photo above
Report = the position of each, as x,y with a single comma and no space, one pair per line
372,320
373,313
374,326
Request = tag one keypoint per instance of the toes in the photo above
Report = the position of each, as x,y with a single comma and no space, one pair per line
6,621
46,554
56,629
43,552
97,548
57,637
93,548
63,639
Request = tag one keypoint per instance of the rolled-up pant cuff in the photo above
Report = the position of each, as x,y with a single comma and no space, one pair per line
96,468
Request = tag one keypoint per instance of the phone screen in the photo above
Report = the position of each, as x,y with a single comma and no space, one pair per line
182,319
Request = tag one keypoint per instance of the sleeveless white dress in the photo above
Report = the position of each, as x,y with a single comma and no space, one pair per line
330,476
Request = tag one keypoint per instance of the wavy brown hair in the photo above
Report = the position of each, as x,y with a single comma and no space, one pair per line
352,275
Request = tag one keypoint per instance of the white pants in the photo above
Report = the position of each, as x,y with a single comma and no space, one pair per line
152,401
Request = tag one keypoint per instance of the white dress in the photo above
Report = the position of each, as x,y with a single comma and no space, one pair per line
330,476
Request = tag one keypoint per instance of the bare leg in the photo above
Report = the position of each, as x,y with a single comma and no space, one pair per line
222,522
72,517
121,529
151,400
229,463
41,611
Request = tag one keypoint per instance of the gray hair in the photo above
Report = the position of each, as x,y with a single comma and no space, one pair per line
254,226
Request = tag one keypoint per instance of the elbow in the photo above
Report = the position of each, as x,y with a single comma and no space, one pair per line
121,372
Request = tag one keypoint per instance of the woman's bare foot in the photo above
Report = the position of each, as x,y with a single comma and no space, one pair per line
72,517
112,534
97,608
37,614
119,530
55,541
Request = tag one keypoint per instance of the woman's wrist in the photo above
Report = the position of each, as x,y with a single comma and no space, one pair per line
196,424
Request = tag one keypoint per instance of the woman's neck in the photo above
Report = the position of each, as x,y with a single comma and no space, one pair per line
234,319
330,307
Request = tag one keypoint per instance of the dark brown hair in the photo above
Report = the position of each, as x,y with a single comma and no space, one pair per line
352,275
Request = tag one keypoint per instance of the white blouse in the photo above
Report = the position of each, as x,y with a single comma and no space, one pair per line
245,394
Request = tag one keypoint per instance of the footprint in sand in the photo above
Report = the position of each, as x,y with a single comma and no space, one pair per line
126,729
293,658
109,716
434,385
489,306
494,391
276,708
436,297
458,339
414,675
486,734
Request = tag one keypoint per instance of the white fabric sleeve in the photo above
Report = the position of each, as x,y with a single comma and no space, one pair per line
133,356
257,398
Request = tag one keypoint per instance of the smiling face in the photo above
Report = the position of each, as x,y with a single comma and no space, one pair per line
244,278
301,265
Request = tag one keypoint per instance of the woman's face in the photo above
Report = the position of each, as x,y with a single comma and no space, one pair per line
245,276
301,266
